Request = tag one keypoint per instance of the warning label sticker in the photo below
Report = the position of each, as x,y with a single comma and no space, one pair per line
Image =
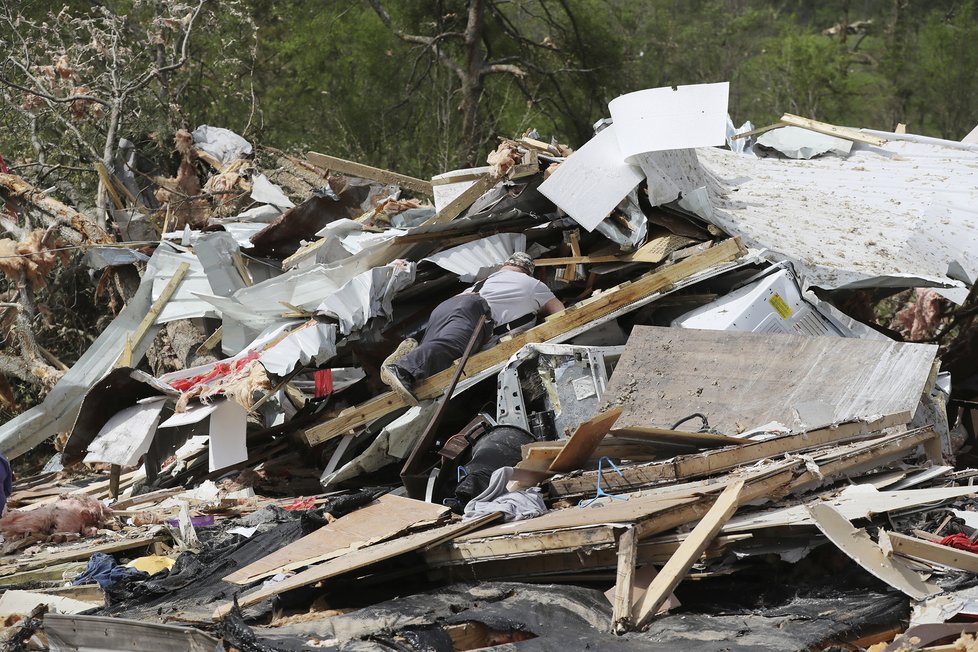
780,306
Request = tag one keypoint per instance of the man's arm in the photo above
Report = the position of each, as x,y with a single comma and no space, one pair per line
552,306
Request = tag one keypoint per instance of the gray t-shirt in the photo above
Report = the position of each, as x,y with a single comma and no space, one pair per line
512,294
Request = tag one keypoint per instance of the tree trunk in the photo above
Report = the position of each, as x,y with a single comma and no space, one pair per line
472,83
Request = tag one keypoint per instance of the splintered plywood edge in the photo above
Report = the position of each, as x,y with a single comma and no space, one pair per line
706,463
688,552
584,441
555,326
386,517
857,545
367,172
358,559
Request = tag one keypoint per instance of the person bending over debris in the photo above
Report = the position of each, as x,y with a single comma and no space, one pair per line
510,298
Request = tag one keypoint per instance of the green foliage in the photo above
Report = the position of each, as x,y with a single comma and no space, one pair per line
334,77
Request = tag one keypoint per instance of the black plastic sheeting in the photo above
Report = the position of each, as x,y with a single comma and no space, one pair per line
194,587
564,618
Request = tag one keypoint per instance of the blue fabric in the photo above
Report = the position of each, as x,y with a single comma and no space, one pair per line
105,571
6,482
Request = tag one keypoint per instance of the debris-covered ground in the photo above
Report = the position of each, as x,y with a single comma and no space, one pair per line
750,428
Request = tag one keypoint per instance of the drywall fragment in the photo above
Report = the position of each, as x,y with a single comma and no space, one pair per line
862,550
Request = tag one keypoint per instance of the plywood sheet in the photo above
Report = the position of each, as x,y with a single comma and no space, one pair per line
745,380
584,441
381,519
360,559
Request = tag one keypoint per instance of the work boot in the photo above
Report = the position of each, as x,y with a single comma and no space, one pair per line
400,381
402,350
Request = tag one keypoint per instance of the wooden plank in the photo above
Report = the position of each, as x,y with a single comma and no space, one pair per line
932,552
352,168
689,551
677,437
759,130
21,564
654,251
125,360
832,130
625,577
584,441
464,200
386,517
711,462
148,497
860,548
553,327
359,559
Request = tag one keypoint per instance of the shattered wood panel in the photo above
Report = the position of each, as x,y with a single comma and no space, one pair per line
701,464
744,380
551,330
388,516
478,547
359,559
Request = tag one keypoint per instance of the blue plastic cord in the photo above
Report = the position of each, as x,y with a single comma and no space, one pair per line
601,492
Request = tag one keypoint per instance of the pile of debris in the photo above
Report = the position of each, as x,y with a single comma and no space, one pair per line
713,446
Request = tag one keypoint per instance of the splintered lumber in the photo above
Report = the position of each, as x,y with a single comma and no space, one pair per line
689,551
360,558
861,549
701,464
931,552
125,360
386,517
584,441
654,251
832,130
464,200
666,507
366,172
77,553
625,578
626,296
677,437
650,513
758,131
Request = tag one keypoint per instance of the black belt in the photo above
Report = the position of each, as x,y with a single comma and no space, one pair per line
500,329
510,326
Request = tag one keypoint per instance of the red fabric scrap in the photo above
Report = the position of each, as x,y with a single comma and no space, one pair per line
301,503
220,370
324,382
961,542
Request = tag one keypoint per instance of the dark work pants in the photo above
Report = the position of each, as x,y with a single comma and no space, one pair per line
449,329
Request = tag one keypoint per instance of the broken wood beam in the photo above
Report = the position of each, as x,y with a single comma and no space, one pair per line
715,461
464,200
352,168
626,296
689,551
125,360
627,556
358,559
931,552
832,130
